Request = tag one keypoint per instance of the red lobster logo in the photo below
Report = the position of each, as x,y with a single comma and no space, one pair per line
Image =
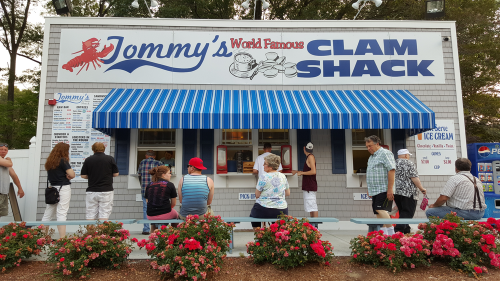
90,55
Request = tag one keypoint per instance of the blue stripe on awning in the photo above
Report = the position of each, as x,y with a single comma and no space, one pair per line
262,109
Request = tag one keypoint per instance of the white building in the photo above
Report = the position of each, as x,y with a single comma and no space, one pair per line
187,86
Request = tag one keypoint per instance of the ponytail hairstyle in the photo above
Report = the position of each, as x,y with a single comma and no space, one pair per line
158,172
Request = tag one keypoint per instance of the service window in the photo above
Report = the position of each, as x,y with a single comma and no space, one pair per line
277,138
159,141
239,144
360,154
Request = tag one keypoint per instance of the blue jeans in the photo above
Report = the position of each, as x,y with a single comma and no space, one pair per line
443,210
144,208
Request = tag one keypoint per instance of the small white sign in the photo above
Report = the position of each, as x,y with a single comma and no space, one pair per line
138,197
361,196
247,196
436,150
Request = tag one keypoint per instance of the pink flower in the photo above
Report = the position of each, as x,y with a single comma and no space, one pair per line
478,270
355,256
135,240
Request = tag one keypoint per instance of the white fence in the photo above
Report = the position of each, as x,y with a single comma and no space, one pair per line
25,167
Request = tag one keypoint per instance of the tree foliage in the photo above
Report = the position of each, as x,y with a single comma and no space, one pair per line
18,131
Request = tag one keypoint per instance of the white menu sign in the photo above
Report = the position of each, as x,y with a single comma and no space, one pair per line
72,124
436,150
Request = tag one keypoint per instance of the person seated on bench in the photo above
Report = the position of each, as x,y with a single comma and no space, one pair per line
461,193
270,192
161,196
196,191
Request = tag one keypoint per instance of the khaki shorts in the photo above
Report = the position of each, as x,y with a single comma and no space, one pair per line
4,205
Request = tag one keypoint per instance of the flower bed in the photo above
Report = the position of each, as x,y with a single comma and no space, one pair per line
289,242
18,242
102,245
469,246
190,250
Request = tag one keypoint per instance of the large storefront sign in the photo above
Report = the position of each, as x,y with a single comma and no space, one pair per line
265,58
72,124
436,150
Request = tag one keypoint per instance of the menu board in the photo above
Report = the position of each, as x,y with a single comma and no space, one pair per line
436,150
72,124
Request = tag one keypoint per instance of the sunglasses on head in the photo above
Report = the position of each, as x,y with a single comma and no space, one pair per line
4,144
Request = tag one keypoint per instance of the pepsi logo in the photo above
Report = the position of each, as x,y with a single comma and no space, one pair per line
484,151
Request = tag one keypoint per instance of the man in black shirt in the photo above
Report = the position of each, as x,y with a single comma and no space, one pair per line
99,169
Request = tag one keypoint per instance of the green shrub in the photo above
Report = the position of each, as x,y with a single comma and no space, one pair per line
18,242
104,245
190,250
289,242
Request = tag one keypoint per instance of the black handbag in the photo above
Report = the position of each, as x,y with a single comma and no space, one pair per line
52,194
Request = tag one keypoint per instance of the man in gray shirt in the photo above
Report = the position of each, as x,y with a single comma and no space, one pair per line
7,171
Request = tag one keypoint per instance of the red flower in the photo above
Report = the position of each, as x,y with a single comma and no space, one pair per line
355,256
478,270
25,236
55,254
327,263
258,244
61,260
13,234
485,248
282,222
391,246
274,227
171,238
192,244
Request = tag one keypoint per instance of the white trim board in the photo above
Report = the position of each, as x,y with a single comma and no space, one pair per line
247,23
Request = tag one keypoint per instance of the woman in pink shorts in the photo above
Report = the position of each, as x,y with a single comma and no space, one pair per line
161,196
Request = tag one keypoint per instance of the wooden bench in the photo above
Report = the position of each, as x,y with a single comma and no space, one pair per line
238,220
374,223
75,222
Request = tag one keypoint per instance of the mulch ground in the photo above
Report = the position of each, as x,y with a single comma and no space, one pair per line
243,269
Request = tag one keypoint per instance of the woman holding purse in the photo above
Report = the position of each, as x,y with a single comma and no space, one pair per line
59,174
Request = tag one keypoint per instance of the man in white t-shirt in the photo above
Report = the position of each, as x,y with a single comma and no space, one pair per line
258,167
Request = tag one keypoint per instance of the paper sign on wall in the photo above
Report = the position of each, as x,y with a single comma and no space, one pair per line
72,124
436,150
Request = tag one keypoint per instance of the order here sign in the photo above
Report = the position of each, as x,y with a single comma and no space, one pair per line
263,58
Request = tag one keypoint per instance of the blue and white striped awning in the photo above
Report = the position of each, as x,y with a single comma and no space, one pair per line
262,109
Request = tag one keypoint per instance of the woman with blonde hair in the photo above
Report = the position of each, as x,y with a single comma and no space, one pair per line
59,174
160,196
270,192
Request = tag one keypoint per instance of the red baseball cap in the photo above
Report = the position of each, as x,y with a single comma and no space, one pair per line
197,163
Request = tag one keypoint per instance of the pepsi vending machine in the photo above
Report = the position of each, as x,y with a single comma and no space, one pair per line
485,159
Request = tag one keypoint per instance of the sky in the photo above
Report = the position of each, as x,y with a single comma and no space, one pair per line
22,63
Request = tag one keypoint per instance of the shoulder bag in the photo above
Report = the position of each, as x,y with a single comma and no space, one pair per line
52,194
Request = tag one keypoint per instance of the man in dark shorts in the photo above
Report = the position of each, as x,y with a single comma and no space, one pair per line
380,176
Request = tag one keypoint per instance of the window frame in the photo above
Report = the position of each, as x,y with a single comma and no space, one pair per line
358,181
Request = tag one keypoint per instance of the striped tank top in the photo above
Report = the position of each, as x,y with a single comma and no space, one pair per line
194,195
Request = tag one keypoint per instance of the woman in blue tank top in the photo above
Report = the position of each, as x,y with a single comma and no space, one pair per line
196,191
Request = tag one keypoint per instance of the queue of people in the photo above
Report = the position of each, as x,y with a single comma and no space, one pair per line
388,180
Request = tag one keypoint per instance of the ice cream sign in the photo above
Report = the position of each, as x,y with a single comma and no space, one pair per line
436,150
274,58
